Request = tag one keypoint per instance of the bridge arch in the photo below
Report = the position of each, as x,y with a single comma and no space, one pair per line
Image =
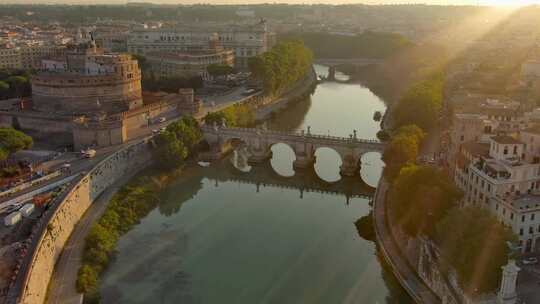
282,158
327,164
304,144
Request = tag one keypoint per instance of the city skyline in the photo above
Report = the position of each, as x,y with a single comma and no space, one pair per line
248,2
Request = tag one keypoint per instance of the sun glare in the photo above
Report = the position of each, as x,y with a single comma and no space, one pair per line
509,2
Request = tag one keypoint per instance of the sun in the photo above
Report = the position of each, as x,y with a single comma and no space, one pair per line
509,2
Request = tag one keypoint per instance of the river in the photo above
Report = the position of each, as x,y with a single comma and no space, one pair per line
230,233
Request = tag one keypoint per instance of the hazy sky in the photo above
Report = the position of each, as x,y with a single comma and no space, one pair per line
443,2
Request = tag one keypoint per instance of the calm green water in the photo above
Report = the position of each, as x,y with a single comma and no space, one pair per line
248,235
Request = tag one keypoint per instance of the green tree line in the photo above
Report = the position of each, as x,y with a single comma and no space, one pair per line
12,141
133,202
365,45
238,115
282,66
14,83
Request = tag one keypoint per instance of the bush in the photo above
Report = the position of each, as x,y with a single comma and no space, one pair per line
133,202
87,279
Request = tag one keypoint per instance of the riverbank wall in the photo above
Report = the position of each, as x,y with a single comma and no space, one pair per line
44,246
415,262
300,90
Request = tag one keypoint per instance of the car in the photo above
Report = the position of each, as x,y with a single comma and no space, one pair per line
155,131
162,119
530,261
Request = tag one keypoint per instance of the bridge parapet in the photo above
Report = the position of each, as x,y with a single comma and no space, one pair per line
304,144
308,135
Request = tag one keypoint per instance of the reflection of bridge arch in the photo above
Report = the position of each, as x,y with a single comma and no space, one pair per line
263,175
303,144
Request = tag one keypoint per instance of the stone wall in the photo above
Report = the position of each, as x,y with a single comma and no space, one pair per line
53,230
267,106
445,285
35,122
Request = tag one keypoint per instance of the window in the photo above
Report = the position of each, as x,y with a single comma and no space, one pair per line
520,231
531,230
523,218
505,152
532,216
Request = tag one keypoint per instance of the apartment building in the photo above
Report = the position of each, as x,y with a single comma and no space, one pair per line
27,56
501,173
167,64
245,40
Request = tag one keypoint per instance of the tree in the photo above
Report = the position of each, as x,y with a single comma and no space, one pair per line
216,70
402,149
282,66
87,279
421,104
19,83
171,151
4,89
420,196
365,45
220,117
12,141
474,244
187,131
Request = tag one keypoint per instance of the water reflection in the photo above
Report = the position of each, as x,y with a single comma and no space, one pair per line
239,159
239,233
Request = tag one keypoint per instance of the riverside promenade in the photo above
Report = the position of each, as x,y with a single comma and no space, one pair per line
393,255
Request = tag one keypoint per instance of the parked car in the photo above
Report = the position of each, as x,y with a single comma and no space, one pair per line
162,119
530,261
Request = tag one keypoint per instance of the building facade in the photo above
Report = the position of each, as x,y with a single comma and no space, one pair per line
502,175
245,40
27,56
166,64
10,58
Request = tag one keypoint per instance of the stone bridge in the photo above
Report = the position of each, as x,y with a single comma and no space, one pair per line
304,144
350,61
332,63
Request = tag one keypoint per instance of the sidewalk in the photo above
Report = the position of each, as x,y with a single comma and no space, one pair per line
407,276
62,286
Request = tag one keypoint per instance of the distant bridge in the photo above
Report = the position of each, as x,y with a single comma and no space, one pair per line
352,61
304,144
332,63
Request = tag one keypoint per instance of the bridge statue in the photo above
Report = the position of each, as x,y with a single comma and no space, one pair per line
259,143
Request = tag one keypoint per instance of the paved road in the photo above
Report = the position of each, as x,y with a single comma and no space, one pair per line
62,286
392,253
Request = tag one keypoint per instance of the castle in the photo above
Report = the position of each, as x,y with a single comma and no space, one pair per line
90,98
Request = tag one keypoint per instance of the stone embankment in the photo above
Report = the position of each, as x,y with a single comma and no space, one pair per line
301,89
416,267
403,271
50,234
